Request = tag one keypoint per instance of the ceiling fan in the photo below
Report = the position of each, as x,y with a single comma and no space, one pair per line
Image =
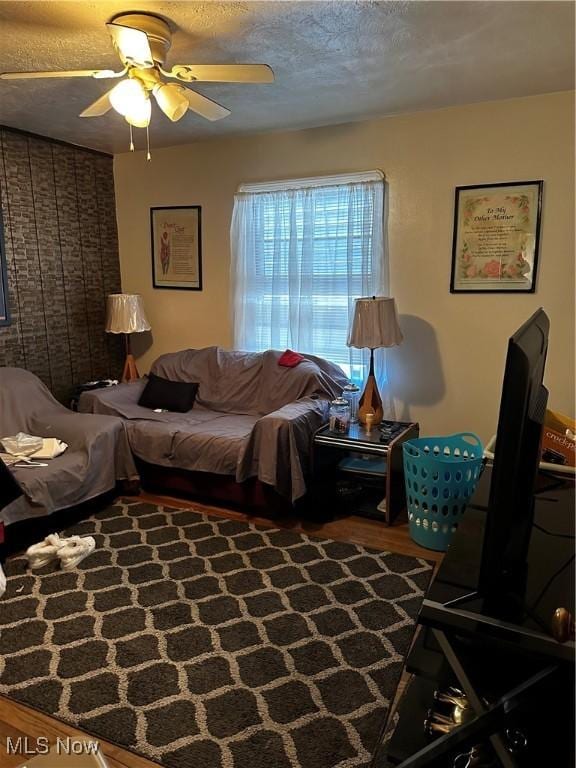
142,41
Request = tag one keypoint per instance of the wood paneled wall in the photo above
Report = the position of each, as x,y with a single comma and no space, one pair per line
61,245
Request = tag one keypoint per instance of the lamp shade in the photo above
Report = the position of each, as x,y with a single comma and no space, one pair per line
128,95
125,314
139,115
172,100
375,323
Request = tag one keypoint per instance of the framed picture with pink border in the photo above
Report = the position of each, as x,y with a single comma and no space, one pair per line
496,237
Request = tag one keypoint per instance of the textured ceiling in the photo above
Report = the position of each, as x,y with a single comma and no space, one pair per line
334,61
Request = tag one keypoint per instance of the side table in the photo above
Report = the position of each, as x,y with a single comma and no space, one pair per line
368,464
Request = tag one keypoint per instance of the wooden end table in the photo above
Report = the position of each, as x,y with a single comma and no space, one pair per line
371,460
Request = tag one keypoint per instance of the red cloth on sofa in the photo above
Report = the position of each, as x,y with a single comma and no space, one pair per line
290,359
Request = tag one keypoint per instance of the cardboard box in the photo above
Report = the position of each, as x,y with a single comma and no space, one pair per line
558,443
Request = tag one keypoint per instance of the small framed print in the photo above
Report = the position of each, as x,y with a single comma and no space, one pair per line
177,247
4,312
496,237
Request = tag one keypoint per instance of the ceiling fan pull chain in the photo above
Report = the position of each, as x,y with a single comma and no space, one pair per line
148,155
131,139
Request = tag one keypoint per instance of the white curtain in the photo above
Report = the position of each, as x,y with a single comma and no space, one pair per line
301,254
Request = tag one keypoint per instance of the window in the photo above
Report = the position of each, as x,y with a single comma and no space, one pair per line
302,251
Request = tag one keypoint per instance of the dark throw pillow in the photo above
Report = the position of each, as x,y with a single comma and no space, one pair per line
178,396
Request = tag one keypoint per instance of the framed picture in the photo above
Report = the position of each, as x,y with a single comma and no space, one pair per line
496,233
4,312
177,247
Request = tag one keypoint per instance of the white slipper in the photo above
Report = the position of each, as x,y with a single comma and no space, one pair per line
2,581
74,550
44,552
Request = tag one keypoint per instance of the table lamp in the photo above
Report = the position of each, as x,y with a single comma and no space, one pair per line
125,314
375,325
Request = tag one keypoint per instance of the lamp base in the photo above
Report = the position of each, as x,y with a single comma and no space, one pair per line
130,372
370,402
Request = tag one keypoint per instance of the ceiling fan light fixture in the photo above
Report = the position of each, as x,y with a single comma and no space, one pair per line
139,114
128,97
172,100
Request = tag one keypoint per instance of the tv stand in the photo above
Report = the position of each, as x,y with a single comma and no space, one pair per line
500,653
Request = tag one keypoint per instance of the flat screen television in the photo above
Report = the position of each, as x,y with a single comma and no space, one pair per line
516,458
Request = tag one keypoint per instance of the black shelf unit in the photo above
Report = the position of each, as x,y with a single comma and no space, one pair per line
517,678
369,464
496,684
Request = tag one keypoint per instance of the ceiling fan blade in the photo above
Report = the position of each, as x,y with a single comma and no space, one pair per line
205,107
223,73
98,107
98,73
132,45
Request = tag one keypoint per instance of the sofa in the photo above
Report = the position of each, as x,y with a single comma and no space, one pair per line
97,458
253,418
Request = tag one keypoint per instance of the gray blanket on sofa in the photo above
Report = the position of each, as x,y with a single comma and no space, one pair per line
98,451
252,417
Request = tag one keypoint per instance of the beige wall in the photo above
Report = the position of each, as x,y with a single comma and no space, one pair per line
447,374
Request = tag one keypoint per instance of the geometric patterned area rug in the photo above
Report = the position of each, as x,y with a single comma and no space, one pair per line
203,642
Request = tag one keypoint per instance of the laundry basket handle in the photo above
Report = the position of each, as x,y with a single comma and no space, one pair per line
475,439
413,450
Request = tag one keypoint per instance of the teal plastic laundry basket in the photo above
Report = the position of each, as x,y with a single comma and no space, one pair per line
441,474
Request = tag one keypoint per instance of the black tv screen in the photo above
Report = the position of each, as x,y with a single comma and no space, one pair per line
516,456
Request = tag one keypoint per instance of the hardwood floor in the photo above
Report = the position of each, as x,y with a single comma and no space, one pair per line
17,720
359,530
